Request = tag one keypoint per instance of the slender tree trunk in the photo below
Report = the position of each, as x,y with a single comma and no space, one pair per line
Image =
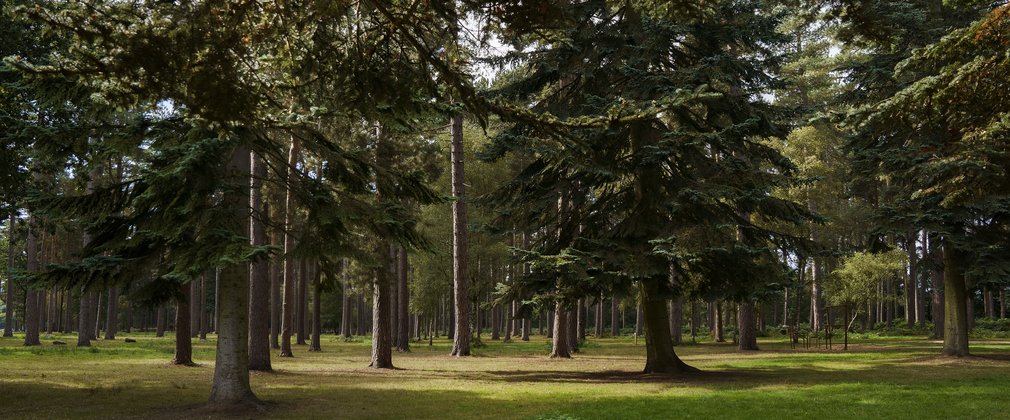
288,308
317,320
9,291
32,298
162,322
955,337
303,302
382,356
194,307
660,357
747,326
276,278
231,367
403,301
259,271
638,320
183,338
614,313
815,294
461,335
720,332
204,318
345,300
559,341
572,328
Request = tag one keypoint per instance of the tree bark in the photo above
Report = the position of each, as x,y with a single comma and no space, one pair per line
9,292
815,294
84,320
32,296
614,313
955,337
747,326
302,313
559,341
231,367
660,357
275,293
195,306
259,271
288,308
161,321
719,334
183,338
317,321
382,357
345,300
461,335
403,301
112,314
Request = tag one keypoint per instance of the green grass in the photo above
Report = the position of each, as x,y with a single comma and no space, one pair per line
885,378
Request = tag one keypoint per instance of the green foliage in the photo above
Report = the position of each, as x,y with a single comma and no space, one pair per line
855,281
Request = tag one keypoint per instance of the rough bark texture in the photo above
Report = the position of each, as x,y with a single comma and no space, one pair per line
660,357
161,322
317,321
112,314
183,338
747,326
288,307
259,272
461,335
403,302
955,337
84,320
231,367
9,290
382,355
559,336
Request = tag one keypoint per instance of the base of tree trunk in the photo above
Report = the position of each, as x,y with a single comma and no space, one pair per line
676,367
183,362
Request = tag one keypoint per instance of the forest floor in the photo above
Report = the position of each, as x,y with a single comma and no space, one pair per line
884,378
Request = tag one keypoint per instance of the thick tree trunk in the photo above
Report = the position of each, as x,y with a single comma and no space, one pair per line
288,308
317,320
403,301
382,357
84,320
660,357
9,290
161,322
461,335
747,326
183,338
259,271
231,367
955,337
112,314
559,341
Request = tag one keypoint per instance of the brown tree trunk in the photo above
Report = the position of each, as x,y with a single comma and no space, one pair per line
84,320
346,302
614,313
461,335
403,302
231,366
955,337
183,338
9,290
276,279
747,327
112,314
660,357
815,294
317,320
259,271
559,341
288,308
720,332
382,356
195,306
302,310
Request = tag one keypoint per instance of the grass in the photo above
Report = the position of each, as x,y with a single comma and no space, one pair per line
899,377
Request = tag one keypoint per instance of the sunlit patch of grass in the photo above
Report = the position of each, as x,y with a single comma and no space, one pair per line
887,378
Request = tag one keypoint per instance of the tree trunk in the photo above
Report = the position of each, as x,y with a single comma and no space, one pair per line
746,327
259,271
677,320
317,320
403,302
719,334
461,335
815,294
276,279
195,306
660,357
638,320
345,301
288,307
112,314
559,340
955,337
382,357
9,291
572,329
183,338
204,318
581,320
32,296
614,323
84,320
161,321
231,367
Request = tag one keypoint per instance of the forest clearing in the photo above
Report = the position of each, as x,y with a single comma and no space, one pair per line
543,209
894,378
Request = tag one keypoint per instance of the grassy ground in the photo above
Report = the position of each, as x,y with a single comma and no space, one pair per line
893,378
